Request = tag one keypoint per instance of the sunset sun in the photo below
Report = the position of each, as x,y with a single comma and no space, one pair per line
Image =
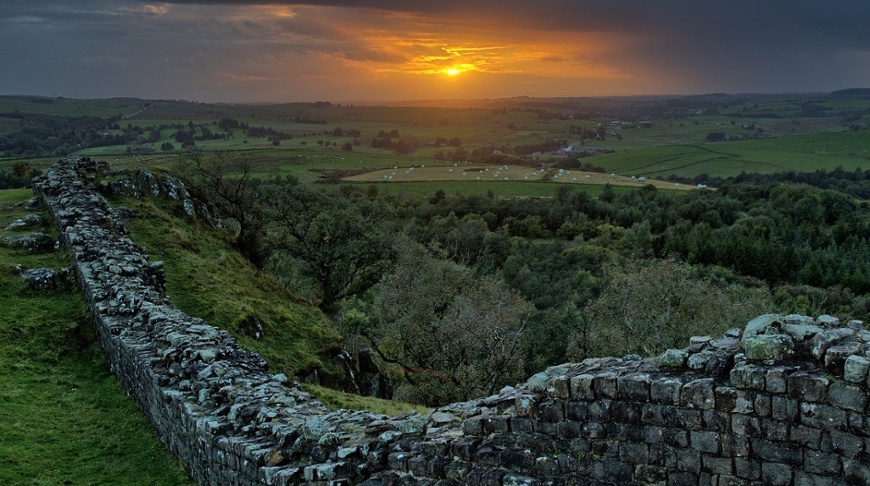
453,72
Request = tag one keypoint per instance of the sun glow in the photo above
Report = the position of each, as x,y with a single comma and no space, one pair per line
453,72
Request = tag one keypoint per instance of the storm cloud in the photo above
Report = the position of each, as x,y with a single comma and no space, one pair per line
223,50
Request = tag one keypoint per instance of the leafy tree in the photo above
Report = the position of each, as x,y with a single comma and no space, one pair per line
229,184
453,335
340,247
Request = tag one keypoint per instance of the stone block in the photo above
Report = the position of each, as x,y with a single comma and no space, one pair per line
698,394
822,416
672,359
856,472
634,387
704,441
837,355
764,347
717,465
855,369
599,410
761,325
625,412
775,380
776,452
726,398
845,444
806,479
688,419
676,438
821,342
633,453
558,387
819,462
774,474
581,387
551,411
847,396
605,385
688,460
665,391
806,437
747,468
578,411
748,377
784,408
807,387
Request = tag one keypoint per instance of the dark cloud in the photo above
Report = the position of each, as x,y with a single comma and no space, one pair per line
242,50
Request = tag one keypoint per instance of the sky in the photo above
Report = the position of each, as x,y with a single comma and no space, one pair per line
396,50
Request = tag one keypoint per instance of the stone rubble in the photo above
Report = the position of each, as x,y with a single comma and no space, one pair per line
782,401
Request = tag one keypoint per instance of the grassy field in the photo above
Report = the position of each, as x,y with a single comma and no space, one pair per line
800,133
64,419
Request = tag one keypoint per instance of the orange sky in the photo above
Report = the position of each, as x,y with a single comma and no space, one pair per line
384,50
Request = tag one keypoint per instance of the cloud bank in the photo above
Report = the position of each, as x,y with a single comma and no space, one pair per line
348,50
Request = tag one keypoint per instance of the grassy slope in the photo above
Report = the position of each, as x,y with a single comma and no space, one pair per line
206,278
64,419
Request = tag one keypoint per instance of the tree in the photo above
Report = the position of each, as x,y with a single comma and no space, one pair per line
229,184
649,306
452,334
342,249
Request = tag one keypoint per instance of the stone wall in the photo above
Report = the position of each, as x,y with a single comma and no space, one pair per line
782,402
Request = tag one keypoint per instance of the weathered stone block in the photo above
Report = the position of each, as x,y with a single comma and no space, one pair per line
634,387
806,479
676,438
665,391
605,385
581,387
807,387
765,347
819,462
774,474
855,369
856,472
822,416
784,408
698,394
704,441
558,387
633,453
717,465
806,437
689,461
776,452
748,377
745,425
836,356
672,358
822,341
847,396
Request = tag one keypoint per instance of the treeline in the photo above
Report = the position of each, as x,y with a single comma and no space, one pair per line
44,135
457,295
855,183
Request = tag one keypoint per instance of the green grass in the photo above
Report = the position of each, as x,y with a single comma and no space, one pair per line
801,153
207,278
64,419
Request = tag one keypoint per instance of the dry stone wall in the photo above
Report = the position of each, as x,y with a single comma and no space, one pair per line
782,402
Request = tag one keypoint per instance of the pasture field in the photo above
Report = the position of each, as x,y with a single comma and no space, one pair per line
768,133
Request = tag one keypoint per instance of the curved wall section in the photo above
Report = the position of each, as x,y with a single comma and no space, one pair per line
782,402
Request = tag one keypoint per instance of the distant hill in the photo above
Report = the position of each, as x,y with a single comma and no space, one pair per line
859,93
